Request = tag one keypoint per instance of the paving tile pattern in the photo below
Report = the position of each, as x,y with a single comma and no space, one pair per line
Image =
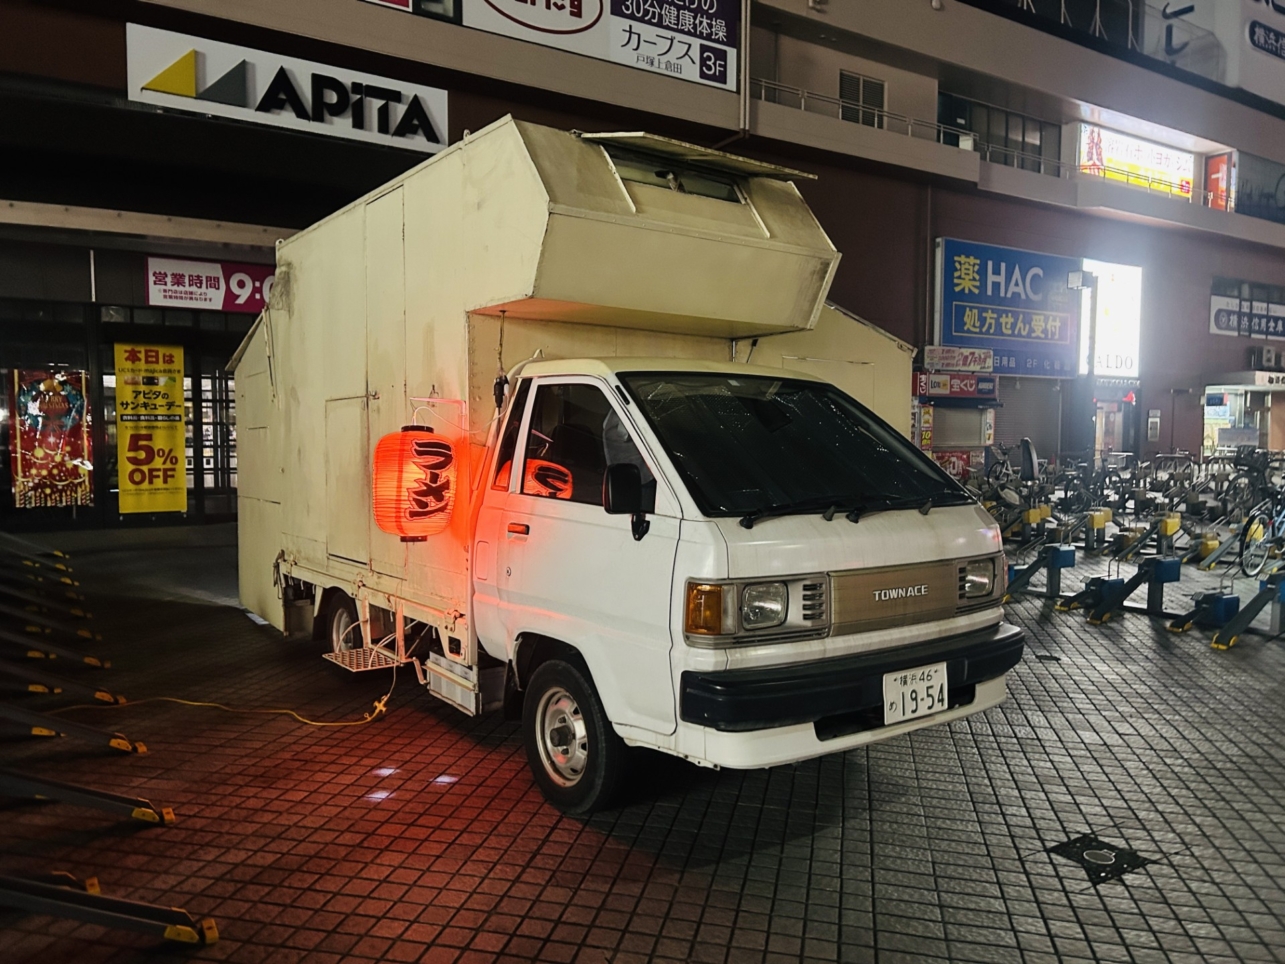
421,837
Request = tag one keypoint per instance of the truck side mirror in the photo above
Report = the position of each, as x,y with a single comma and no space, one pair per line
622,495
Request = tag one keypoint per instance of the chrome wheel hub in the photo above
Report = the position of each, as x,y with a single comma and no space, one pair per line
561,737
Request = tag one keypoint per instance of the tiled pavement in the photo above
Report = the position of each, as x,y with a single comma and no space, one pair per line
421,837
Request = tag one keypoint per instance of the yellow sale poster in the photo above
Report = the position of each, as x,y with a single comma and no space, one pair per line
149,428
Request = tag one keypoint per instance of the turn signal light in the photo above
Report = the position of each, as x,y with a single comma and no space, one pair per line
704,610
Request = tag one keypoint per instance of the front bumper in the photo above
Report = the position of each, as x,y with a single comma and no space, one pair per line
844,695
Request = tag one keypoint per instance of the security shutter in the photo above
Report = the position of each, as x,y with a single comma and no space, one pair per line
863,99
1031,408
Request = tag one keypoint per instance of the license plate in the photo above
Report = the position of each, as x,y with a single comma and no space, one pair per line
910,693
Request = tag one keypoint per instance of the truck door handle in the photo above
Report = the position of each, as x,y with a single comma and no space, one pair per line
519,529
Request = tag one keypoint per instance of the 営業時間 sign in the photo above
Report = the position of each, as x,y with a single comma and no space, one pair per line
1015,303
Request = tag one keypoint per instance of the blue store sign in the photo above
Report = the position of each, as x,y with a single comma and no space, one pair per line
1016,303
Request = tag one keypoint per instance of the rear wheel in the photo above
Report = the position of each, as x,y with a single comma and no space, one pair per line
341,621
573,751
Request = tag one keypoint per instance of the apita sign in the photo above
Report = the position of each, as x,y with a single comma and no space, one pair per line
189,73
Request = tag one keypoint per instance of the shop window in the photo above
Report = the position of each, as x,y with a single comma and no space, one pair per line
240,324
113,314
218,432
147,316
1002,136
212,321
864,99
179,319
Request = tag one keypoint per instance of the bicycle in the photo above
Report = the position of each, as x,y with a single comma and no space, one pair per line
1262,533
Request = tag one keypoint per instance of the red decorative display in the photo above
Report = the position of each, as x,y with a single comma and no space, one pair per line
414,483
50,448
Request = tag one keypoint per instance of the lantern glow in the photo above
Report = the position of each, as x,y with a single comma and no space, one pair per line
548,479
413,483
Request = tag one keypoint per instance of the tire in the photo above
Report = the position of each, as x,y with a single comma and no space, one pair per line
575,755
1255,543
342,629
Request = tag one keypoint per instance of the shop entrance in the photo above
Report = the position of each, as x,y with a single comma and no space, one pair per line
57,337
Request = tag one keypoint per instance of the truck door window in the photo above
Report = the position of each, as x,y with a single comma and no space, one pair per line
509,443
574,435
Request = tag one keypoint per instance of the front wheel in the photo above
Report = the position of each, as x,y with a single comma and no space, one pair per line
1255,543
574,753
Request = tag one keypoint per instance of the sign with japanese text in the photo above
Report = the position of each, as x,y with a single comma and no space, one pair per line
1220,181
924,425
1119,157
50,448
930,385
150,428
948,358
960,464
1013,303
188,73
1246,319
693,40
209,285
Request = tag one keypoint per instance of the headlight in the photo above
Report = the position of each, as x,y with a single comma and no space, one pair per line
979,578
764,605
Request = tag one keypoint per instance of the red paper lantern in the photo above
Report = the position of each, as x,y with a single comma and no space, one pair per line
413,489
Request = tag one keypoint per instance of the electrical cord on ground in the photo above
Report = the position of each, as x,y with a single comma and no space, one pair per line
379,709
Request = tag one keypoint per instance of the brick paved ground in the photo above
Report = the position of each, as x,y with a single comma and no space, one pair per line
421,837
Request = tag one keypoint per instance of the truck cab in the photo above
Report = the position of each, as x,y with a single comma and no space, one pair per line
742,566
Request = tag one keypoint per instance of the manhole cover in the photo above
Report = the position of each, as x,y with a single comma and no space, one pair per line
1101,861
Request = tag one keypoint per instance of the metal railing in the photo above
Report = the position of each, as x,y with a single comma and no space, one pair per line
777,93
773,92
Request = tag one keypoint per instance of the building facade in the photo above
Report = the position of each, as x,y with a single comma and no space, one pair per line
180,139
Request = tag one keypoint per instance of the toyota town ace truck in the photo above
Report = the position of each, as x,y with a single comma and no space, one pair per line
553,418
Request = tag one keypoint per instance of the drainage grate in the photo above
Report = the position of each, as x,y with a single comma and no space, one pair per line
1101,861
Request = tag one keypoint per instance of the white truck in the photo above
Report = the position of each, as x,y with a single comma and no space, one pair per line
553,419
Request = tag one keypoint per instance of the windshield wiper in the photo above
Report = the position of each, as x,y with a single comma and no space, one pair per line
829,503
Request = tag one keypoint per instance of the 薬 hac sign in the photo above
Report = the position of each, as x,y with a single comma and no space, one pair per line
188,73
1013,303
209,285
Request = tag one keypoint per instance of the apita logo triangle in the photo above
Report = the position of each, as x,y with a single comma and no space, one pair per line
179,78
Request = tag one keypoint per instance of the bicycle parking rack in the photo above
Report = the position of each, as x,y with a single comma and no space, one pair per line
62,895
1051,561
44,603
14,784
47,624
38,681
1155,573
1271,591
40,647
42,724
1211,610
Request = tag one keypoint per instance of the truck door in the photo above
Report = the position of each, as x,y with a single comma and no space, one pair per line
567,569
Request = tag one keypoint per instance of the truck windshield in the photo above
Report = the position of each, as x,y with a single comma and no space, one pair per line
756,446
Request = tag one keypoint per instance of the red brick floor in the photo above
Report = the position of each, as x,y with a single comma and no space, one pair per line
420,837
